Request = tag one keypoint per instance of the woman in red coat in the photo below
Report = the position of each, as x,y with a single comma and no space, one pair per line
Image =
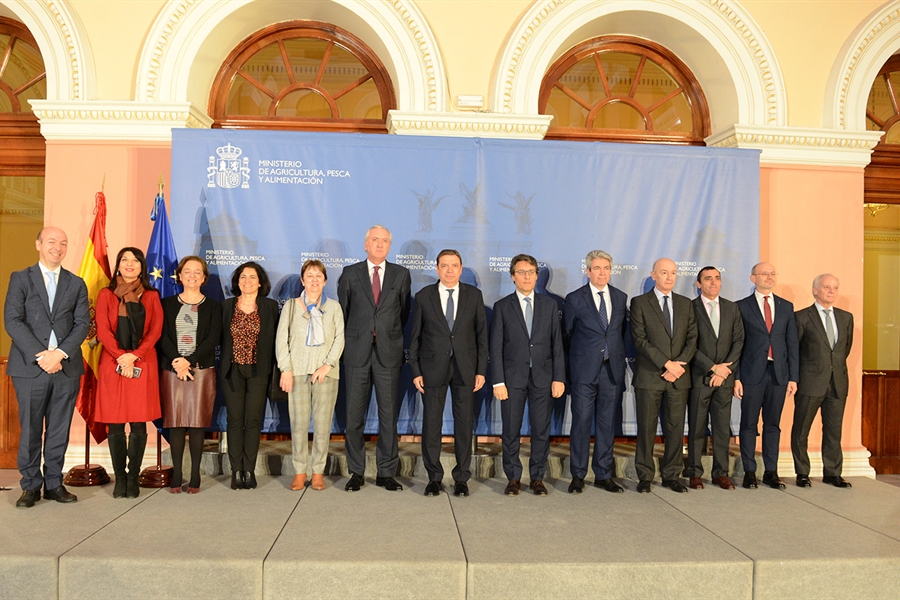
129,323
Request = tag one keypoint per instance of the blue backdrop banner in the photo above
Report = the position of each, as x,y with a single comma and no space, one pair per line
281,198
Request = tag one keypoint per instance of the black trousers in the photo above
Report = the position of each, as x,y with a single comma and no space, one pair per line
805,408
648,405
360,381
594,404
512,411
245,401
463,404
709,406
766,397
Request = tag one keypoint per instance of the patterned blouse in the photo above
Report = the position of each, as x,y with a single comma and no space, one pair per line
186,327
245,333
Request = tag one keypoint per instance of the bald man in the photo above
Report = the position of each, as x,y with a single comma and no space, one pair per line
825,335
47,315
664,332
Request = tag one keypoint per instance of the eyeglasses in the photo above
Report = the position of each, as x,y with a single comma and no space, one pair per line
767,273
524,273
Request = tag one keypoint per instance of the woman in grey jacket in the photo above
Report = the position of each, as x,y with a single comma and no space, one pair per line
308,346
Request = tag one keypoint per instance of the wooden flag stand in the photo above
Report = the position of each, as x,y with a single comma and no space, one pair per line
160,475
86,474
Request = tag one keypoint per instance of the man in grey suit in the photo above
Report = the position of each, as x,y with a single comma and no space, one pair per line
527,364
720,337
825,333
448,347
374,295
664,332
47,315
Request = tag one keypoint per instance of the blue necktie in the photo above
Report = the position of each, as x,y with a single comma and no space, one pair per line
529,315
667,316
449,313
604,323
51,295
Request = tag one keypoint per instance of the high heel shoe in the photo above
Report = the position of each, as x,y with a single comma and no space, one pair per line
299,481
194,490
318,481
175,490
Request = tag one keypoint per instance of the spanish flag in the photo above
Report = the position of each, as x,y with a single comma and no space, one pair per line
95,271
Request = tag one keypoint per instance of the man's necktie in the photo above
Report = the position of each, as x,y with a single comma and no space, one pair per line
529,315
829,328
604,323
714,316
51,295
767,311
376,285
449,313
667,316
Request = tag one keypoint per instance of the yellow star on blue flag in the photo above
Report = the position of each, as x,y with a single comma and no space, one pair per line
156,273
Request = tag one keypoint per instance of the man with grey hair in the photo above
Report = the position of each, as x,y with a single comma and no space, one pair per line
374,295
825,335
595,316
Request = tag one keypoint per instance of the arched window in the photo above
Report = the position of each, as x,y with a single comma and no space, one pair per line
882,175
623,89
302,75
22,78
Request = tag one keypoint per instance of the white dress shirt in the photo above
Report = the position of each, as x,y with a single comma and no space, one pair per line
444,294
607,300
762,310
659,298
824,316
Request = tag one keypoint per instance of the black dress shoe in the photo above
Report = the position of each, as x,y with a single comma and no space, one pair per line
249,480
771,479
577,485
674,485
836,481
513,487
461,489
60,494
803,481
389,483
356,482
28,498
750,482
434,488
609,485
643,487
537,486
237,480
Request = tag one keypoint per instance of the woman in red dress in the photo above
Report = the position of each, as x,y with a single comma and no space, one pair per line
129,323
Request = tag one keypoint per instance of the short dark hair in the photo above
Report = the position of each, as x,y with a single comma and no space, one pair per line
523,258
706,268
447,252
139,255
313,263
185,261
264,286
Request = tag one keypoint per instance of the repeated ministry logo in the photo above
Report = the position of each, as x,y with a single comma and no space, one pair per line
229,170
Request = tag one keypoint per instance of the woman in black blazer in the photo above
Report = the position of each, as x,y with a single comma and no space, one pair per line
248,349
192,326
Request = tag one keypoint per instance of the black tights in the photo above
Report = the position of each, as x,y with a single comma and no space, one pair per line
119,428
176,443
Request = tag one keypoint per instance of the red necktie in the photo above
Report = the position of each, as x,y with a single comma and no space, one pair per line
376,286
768,313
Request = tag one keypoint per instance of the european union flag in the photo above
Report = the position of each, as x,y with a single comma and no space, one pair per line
161,256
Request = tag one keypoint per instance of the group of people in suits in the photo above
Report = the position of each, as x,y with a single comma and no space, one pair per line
692,356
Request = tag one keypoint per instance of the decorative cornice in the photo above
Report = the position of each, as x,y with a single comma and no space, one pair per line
146,121
891,239
177,14
421,40
66,35
484,125
801,146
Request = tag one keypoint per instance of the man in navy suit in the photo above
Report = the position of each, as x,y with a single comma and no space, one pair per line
47,315
767,372
664,332
527,364
595,318
825,334
720,337
448,347
374,295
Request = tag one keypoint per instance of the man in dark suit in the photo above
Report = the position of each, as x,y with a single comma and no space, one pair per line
664,332
825,335
595,318
720,337
374,295
527,364
767,372
47,315
448,347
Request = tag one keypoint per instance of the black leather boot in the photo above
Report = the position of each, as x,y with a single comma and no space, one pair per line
136,444
117,453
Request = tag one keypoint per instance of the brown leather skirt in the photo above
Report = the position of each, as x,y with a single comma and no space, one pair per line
188,403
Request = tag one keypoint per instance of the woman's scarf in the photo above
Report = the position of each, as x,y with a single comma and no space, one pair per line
315,331
132,315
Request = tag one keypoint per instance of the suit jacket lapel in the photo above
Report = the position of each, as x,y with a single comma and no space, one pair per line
438,309
704,318
657,310
813,315
61,288
757,313
589,300
366,283
37,277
